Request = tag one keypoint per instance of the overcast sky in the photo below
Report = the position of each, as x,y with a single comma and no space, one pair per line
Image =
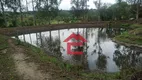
65,4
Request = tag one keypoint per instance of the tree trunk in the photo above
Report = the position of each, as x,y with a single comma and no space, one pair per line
27,5
20,5
41,41
50,35
137,12
15,18
34,19
49,21
3,12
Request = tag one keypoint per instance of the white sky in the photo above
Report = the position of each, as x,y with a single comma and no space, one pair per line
65,4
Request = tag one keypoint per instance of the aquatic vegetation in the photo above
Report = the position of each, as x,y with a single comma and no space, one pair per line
132,37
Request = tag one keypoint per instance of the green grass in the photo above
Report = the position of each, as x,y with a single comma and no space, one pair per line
56,22
65,69
39,56
132,37
126,25
44,58
134,26
102,76
3,42
7,66
119,25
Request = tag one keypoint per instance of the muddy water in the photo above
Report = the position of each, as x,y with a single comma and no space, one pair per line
99,53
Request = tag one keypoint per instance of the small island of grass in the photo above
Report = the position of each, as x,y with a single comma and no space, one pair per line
132,36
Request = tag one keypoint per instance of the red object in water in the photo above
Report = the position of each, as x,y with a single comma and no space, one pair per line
78,37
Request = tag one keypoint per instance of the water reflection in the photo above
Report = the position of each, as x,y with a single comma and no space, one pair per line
51,46
101,62
99,53
114,31
126,57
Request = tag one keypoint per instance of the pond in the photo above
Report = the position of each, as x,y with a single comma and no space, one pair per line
99,52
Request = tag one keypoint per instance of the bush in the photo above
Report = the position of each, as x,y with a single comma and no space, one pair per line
134,26
126,25
2,22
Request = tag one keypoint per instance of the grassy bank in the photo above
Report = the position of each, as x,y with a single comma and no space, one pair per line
133,36
64,71
58,70
7,66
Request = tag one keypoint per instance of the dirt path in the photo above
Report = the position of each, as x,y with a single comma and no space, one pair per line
26,70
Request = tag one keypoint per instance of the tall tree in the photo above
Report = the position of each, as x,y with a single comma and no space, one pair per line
120,10
33,8
79,8
27,6
48,10
135,7
98,5
2,3
14,6
21,13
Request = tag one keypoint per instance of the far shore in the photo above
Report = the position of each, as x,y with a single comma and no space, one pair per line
127,44
32,29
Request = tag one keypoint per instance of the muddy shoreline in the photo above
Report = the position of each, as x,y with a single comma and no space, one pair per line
127,44
33,29
40,28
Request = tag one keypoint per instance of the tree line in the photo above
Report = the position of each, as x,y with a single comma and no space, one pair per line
14,13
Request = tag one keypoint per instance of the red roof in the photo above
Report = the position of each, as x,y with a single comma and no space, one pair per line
75,36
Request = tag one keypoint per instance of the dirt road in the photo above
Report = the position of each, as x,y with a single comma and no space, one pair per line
26,70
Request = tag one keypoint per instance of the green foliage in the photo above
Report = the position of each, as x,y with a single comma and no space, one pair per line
118,11
7,66
3,42
28,21
79,8
102,76
134,26
92,15
126,25
2,22
101,62
135,8
48,10
133,36
126,73
38,54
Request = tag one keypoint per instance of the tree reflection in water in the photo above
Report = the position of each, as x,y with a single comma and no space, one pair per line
51,46
101,37
112,32
101,62
96,51
102,59
126,58
80,60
